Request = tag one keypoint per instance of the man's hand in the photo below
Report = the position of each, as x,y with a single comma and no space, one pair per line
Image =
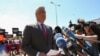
58,54
54,53
42,54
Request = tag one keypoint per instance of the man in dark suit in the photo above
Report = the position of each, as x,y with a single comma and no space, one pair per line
38,39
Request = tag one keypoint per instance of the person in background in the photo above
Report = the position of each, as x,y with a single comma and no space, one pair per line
96,30
1,39
38,38
90,38
17,43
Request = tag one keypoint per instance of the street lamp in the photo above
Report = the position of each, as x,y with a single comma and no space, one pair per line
55,11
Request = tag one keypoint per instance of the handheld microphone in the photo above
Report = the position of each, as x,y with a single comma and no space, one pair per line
72,36
61,42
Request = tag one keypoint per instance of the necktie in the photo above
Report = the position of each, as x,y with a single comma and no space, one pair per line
44,31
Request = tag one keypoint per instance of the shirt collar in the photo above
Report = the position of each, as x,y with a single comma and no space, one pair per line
39,23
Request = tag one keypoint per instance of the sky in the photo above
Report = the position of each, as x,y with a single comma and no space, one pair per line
19,13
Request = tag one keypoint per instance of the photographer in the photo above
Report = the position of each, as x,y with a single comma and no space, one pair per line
96,30
90,36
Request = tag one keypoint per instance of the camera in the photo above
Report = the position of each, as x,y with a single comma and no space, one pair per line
80,26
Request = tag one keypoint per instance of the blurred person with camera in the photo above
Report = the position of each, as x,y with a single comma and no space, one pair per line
90,37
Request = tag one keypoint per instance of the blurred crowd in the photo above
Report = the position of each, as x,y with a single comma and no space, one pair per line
10,44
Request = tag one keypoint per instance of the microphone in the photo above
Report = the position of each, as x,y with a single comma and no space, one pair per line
70,34
61,42
73,37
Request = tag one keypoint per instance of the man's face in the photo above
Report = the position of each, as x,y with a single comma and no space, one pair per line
41,15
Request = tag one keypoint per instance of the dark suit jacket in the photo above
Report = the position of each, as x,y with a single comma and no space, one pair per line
33,40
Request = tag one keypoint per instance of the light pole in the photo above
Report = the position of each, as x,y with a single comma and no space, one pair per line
55,11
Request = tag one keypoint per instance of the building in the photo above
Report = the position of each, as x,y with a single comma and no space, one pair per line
97,21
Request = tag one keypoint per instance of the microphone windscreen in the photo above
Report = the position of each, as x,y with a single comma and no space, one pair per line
60,42
57,35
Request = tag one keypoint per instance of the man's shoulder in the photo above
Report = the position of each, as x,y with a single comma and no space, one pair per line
48,26
31,25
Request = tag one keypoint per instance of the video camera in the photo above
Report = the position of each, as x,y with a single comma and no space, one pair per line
80,25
